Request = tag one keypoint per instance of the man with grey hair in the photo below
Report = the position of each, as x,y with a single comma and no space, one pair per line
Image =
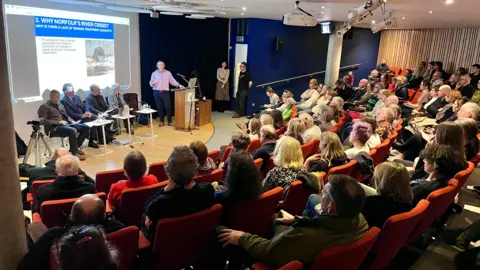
95,103
116,102
469,110
311,130
68,183
358,92
466,88
268,139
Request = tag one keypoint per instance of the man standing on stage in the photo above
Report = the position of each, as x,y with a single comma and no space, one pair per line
160,83
244,85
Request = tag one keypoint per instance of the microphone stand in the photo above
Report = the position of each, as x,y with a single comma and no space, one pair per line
191,103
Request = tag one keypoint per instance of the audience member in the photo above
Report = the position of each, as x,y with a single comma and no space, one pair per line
68,183
325,99
465,87
424,96
290,110
359,136
253,129
311,131
76,110
442,163
475,76
447,111
278,121
266,119
343,90
87,210
469,110
205,163
273,98
325,118
370,97
384,81
359,91
58,123
453,82
380,103
135,167
239,142
394,194
288,160
268,140
85,248
340,223
243,183
438,67
330,154
295,129
409,75
401,88
374,139
182,196
382,67
436,78
310,96
470,131
338,103
385,119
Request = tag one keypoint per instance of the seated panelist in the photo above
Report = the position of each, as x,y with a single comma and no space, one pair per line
96,104
76,110
58,123
116,101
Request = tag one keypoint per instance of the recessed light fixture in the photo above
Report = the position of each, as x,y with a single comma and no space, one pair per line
243,14
430,12
202,15
373,22
244,8
448,2
403,18
323,7
322,12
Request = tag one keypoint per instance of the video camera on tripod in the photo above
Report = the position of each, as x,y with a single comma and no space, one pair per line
35,138
35,124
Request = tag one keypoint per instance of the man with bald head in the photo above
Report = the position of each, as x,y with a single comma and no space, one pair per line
359,91
87,210
68,184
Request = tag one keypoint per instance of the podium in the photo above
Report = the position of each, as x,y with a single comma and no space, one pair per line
184,108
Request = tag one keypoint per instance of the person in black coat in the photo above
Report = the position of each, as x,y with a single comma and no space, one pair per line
87,210
344,91
182,196
466,88
401,88
394,194
268,139
470,130
68,183
433,109
441,163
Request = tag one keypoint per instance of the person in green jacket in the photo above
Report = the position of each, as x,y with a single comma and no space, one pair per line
289,110
340,223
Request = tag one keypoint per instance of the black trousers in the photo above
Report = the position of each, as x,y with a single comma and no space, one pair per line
240,101
162,99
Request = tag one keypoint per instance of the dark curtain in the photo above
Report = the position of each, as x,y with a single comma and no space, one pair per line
184,45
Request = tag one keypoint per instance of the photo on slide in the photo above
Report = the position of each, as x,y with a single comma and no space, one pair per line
100,56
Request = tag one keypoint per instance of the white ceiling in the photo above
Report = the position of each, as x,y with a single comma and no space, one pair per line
462,13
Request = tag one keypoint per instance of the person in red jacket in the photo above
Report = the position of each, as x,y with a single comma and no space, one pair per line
135,166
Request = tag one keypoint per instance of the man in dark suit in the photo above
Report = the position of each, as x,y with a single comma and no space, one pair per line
268,139
87,210
76,109
466,88
96,104
68,183
343,90
432,110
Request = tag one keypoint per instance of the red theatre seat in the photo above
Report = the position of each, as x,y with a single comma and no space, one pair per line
382,152
184,241
256,215
32,197
215,176
346,169
393,236
215,155
158,169
132,202
307,148
226,153
126,242
105,179
258,163
296,198
463,176
254,145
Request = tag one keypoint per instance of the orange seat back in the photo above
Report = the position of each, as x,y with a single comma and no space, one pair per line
307,148
316,145
126,243
439,200
417,95
349,256
463,176
346,169
362,177
215,155
296,198
255,216
184,241
54,212
158,169
382,152
35,185
226,153
394,235
254,145
214,176
104,180
269,166
132,202
280,131
475,160
259,163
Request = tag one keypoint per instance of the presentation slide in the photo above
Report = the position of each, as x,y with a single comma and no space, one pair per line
58,47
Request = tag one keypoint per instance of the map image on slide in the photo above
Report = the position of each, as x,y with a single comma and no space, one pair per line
100,57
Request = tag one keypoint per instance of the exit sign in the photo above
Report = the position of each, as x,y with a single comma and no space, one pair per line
240,39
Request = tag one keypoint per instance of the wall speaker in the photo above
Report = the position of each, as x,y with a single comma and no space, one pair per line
278,44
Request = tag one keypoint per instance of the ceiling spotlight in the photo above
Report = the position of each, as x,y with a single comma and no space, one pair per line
430,12
322,12
448,2
244,8
243,14
403,18
323,7
373,22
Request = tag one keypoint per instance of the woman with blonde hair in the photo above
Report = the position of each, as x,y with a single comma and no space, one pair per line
447,111
288,160
330,154
470,131
401,89
394,194
253,129
295,129
266,119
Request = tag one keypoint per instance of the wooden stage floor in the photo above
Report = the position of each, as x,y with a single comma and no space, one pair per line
155,149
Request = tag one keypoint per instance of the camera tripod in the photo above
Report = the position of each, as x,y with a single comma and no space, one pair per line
35,137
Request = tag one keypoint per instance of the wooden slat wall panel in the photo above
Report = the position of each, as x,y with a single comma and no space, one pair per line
458,47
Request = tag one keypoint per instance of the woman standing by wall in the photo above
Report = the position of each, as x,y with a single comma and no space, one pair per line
222,93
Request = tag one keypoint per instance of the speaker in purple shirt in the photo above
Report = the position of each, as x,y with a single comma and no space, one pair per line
160,82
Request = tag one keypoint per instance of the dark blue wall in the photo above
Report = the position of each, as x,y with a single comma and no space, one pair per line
363,48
